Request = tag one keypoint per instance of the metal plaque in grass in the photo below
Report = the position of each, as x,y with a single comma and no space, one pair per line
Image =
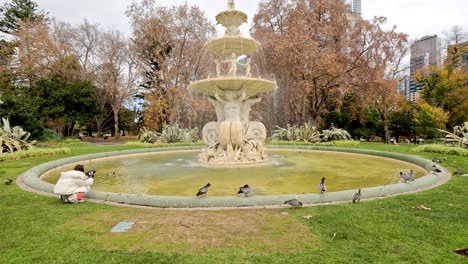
122,227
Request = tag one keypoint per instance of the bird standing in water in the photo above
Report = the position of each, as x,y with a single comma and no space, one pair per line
435,169
405,177
294,203
357,196
322,185
246,189
202,191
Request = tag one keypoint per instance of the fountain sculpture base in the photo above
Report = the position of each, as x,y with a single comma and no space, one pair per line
234,143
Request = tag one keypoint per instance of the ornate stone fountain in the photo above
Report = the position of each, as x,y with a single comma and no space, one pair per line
233,139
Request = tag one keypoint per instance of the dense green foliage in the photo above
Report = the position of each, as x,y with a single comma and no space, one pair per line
443,150
23,154
54,102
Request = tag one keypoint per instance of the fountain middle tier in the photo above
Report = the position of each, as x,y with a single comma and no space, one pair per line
252,86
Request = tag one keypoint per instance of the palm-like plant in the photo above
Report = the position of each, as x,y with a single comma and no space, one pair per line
459,135
307,132
335,134
173,134
147,135
169,134
13,139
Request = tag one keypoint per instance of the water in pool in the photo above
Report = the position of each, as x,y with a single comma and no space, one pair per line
289,172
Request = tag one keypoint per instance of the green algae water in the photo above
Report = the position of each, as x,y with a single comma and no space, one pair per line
288,172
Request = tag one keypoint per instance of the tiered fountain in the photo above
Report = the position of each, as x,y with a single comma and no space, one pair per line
233,139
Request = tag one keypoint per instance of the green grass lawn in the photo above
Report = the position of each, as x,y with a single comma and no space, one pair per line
40,229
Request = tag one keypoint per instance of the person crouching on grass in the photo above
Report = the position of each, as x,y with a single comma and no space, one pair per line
74,184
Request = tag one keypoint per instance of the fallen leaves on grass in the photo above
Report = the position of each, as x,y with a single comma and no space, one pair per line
422,207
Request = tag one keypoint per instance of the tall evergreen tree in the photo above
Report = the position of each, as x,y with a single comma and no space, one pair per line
15,11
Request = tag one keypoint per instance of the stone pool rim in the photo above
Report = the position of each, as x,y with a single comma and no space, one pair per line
30,181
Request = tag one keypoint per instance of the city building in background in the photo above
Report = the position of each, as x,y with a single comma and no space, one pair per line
424,52
404,87
356,7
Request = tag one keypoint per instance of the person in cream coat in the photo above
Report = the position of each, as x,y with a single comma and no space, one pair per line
74,184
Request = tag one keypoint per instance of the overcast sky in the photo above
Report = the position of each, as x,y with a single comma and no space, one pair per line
414,17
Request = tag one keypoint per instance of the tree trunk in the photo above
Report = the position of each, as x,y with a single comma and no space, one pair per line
116,124
99,127
386,129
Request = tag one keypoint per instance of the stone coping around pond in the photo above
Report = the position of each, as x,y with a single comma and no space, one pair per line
30,181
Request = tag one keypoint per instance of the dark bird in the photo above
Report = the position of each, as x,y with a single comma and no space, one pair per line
435,169
322,185
246,189
294,203
460,173
406,177
357,196
204,190
8,181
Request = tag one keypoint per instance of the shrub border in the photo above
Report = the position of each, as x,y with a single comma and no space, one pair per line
30,181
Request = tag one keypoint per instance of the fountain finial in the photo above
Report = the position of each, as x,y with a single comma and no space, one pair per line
231,5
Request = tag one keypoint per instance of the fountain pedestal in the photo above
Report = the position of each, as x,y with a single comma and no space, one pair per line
233,139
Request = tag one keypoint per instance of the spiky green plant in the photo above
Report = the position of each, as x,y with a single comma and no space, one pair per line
459,135
173,134
14,139
169,134
306,133
147,136
335,134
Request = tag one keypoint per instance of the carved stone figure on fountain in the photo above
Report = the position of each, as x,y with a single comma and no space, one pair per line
233,65
218,67
246,107
219,108
230,129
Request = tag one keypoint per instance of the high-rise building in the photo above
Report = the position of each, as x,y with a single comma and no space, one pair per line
424,52
404,87
355,6
355,14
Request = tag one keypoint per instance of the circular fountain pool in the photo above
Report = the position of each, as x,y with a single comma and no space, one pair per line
288,172
170,177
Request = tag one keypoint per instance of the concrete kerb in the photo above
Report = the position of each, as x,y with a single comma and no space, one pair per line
30,181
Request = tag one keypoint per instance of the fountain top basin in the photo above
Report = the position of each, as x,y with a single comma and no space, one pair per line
231,18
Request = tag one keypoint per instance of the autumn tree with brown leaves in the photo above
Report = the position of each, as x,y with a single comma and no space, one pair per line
117,74
319,55
169,45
